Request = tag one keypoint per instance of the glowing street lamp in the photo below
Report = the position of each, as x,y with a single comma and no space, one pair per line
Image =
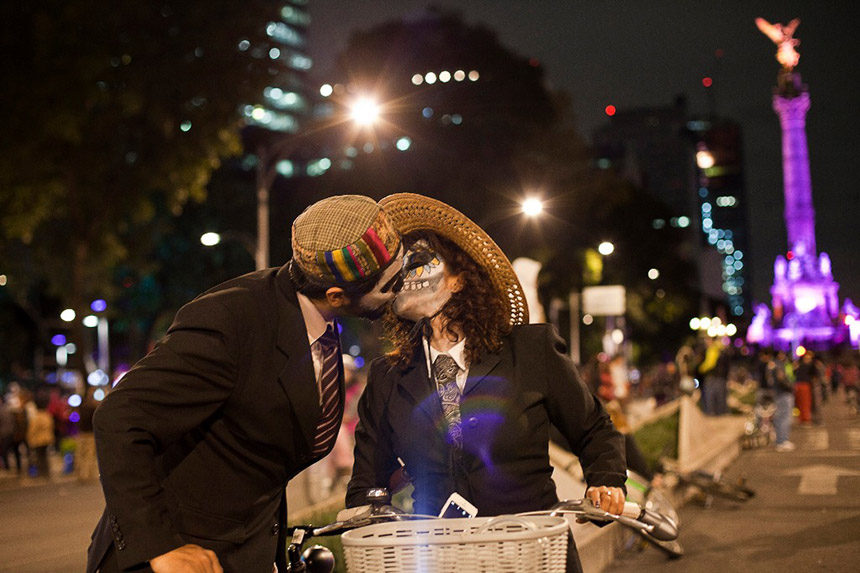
605,248
704,159
364,111
532,207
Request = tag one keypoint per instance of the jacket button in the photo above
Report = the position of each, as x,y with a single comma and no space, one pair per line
275,529
473,422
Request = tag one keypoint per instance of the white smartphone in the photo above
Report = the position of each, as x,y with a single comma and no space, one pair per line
457,506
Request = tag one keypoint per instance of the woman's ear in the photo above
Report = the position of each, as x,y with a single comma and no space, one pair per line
456,283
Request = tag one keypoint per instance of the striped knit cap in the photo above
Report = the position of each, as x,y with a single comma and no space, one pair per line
343,240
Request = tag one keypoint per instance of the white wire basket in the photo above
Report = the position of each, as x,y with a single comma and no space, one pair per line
466,545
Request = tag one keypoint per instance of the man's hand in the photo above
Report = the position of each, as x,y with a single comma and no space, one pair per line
187,559
610,499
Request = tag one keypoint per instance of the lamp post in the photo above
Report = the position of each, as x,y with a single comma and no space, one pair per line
364,111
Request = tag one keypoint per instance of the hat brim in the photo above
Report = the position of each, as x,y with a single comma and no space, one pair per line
410,212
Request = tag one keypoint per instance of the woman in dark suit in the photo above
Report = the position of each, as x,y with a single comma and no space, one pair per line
465,400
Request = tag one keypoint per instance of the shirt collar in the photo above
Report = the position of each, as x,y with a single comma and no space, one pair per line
315,323
457,352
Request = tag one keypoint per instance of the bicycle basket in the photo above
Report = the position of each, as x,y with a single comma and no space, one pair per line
479,544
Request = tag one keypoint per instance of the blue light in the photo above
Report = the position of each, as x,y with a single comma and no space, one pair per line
427,112
359,362
98,305
58,340
74,417
703,192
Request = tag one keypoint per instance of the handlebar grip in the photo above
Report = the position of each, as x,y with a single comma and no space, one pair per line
665,529
631,510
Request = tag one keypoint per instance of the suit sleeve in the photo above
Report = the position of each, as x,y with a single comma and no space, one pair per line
375,460
582,420
167,395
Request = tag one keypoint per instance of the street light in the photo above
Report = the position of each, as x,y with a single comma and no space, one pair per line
532,207
605,248
364,111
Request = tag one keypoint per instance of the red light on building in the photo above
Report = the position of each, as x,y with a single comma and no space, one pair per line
789,255
707,82
610,110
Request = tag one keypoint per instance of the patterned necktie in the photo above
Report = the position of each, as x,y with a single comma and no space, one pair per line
329,421
445,371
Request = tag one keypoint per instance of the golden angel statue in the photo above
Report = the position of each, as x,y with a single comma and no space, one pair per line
782,36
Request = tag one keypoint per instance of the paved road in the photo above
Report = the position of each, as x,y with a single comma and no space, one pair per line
805,516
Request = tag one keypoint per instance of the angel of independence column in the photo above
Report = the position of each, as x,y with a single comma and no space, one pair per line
803,288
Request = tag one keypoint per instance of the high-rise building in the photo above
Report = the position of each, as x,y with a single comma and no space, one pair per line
284,102
695,166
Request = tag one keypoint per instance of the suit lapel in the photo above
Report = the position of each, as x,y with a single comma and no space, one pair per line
479,371
297,376
415,383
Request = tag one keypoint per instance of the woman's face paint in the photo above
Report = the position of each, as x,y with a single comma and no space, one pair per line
425,290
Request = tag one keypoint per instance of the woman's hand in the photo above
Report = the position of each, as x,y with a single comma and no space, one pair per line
609,499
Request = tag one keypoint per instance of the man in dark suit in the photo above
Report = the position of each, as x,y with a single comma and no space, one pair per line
197,442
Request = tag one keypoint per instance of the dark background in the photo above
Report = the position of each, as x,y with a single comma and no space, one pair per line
639,54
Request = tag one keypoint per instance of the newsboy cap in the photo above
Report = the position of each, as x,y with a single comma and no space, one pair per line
343,240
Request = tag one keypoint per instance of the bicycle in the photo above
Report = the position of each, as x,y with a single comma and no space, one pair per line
382,538
641,491
705,486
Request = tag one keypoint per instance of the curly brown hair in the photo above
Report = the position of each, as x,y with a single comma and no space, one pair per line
477,310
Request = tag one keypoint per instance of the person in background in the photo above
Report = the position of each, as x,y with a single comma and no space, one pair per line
780,375
40,434
86,466
196,443
7,432
465,400
715,369
806,376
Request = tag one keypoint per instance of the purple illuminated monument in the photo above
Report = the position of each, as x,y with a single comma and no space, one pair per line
805,298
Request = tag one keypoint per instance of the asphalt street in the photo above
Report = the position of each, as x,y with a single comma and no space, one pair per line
805,515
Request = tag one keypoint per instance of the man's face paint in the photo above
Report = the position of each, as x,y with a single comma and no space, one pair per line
425,290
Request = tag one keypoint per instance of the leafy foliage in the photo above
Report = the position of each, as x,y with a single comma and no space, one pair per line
117,108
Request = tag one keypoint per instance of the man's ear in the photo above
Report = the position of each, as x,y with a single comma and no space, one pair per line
336,297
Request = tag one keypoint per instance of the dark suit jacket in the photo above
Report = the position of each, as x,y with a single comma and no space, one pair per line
509,401
197,442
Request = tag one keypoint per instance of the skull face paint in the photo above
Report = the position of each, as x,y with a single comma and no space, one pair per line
425,290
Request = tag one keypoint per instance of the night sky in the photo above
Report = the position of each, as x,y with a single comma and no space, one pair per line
632,53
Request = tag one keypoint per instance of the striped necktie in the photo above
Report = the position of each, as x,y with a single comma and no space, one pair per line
445,372
329,384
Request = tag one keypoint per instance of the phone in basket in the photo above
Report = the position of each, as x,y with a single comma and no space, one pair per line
457,506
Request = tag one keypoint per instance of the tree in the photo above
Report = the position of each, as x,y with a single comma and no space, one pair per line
116,107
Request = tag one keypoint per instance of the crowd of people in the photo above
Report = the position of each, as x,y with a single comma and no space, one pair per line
42,436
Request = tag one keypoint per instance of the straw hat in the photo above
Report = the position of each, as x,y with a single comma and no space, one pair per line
343,240
409,212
